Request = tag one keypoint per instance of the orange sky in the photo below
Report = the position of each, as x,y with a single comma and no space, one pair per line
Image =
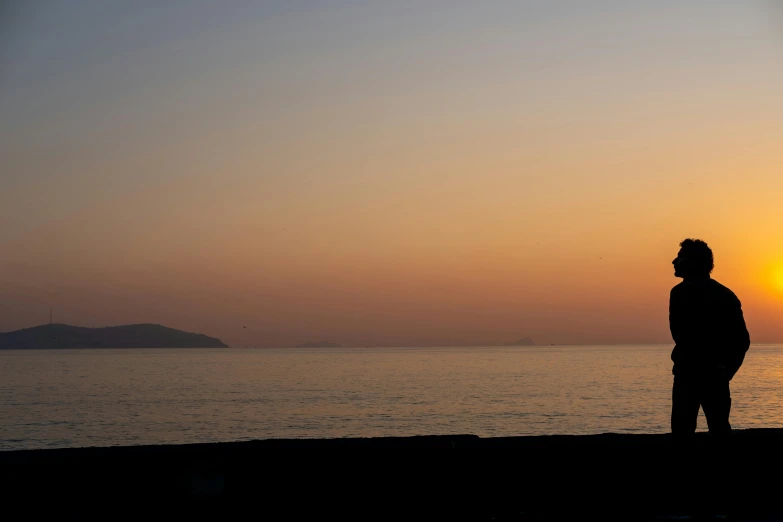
388,174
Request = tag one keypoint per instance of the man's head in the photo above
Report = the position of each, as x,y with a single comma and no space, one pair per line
694,259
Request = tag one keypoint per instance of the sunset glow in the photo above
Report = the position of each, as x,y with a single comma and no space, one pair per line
388,173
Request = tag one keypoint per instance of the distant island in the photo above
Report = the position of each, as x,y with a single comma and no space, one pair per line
61,336
319,344
525,341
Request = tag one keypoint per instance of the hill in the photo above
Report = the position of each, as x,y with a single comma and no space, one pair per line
127,336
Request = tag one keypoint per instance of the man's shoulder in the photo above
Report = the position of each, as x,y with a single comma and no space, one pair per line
723,290
703,287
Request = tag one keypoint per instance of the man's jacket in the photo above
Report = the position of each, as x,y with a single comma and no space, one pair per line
707,326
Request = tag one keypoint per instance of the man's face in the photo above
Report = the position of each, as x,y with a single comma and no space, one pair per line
681,264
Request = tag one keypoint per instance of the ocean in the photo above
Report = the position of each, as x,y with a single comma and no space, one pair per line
78,398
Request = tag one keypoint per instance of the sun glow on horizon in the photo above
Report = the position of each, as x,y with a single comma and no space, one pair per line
777,278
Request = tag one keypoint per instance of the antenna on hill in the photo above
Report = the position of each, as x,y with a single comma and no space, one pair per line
50,339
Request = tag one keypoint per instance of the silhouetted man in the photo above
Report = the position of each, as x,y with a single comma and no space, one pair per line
710,340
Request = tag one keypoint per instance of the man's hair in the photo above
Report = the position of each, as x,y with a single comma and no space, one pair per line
700,253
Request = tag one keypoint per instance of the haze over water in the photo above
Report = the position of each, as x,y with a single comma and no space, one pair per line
74,398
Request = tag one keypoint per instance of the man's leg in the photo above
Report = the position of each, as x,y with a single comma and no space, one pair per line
685,406
685,410
716,403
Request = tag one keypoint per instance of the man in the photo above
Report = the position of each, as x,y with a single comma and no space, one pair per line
710,340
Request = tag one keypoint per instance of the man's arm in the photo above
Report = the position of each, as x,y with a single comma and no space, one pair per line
740,339
676,323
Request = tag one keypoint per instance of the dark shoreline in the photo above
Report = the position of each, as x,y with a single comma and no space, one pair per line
610,476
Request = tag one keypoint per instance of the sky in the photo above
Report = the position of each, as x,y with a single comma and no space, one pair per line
387,173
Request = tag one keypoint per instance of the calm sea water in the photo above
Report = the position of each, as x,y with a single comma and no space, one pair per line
73,398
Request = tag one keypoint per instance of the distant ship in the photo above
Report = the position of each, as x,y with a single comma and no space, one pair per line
525,341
